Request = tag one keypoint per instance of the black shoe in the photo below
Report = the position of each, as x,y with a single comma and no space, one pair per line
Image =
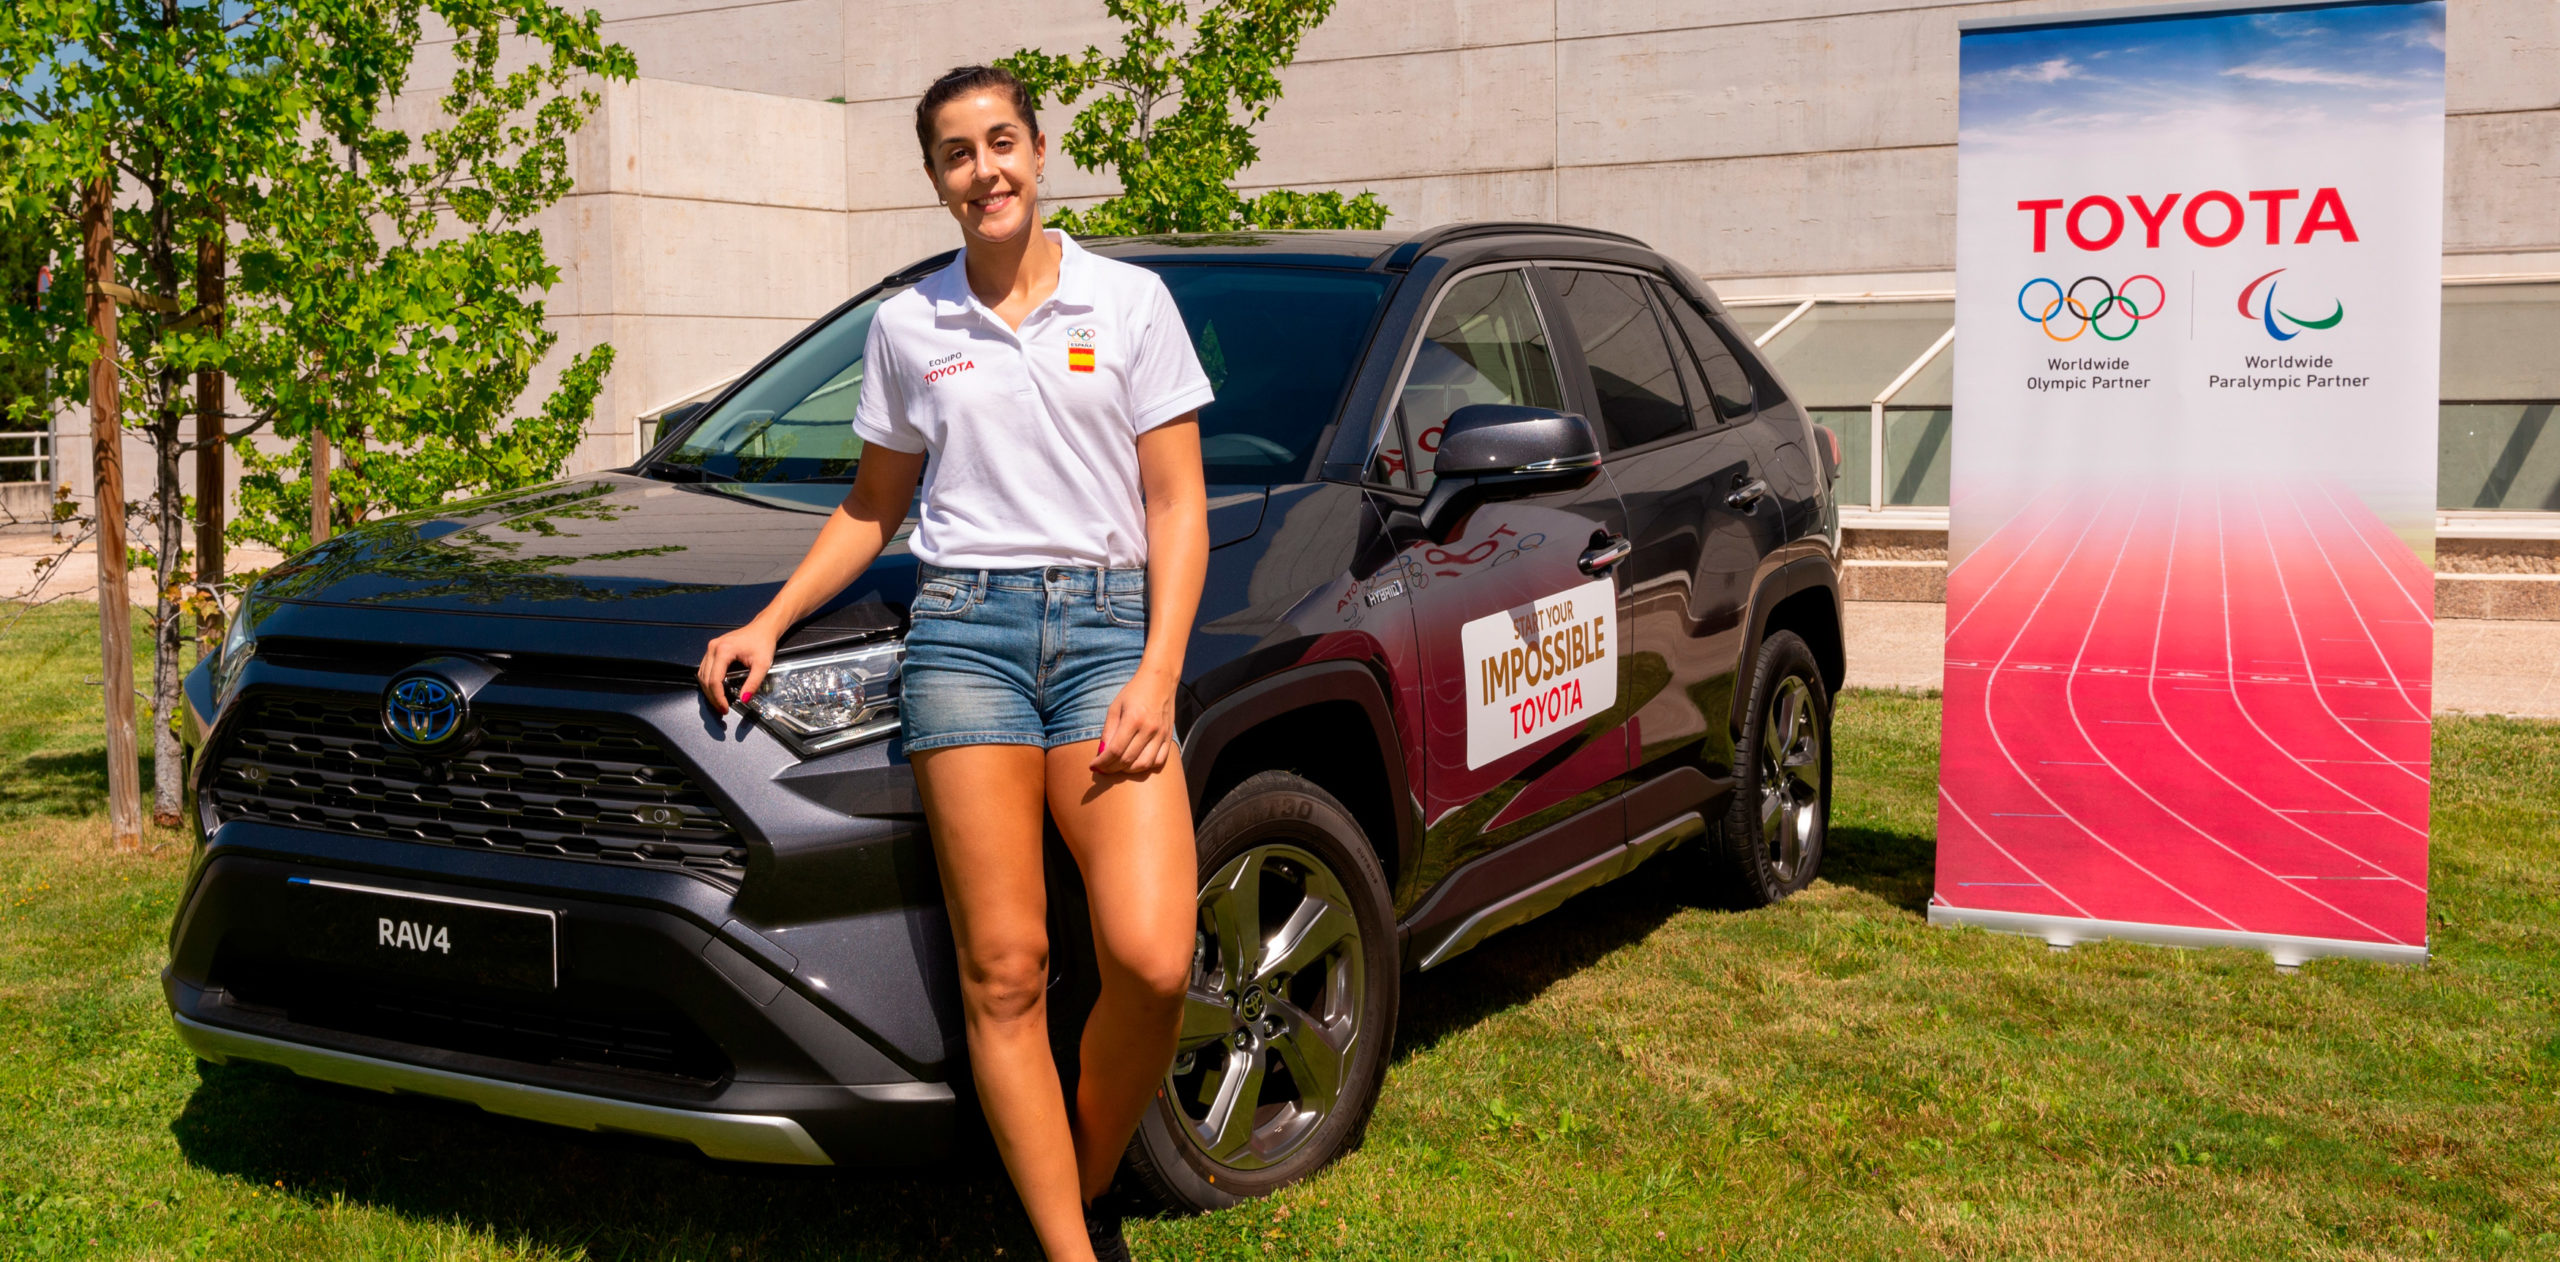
1102,1229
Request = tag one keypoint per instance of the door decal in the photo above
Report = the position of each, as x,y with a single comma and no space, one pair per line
1536,669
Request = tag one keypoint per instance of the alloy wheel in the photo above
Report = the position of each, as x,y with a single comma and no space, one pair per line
1274,1008
1790,777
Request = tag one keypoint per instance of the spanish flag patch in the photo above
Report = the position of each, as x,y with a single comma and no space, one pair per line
1079,359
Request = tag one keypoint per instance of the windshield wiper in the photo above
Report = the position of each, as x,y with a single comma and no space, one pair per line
677,471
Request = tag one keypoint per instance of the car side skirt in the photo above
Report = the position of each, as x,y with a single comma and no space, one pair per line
1551,893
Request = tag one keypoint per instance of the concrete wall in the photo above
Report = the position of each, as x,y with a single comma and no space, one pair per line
725,199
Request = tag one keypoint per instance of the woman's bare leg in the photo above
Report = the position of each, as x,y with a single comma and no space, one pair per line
1131,837
985,804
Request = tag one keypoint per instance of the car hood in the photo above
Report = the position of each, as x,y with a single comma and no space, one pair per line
605,549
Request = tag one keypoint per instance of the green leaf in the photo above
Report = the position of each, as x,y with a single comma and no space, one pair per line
1174,123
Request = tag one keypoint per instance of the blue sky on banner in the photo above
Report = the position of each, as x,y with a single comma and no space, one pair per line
2381,63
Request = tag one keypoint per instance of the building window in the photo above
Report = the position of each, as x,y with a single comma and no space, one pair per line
2497,445
1879,369
1880,372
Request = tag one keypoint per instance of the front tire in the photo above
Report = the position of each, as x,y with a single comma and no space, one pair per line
1772,838
1292,1004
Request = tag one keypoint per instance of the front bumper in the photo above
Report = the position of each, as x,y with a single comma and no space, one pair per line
729,1136
803,1011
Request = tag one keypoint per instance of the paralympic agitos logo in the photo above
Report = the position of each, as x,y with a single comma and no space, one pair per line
2268,314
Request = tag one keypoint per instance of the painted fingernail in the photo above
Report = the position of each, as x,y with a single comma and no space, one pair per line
746,696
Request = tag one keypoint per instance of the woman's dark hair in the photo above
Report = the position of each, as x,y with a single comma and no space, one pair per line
960,81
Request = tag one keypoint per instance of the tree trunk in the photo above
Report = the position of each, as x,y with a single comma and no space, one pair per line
211,454
168,753
319,485
106,429
169,529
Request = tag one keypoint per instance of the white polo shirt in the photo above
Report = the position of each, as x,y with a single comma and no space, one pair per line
1032,433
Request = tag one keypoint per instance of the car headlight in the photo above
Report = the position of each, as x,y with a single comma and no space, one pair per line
239,643
833,699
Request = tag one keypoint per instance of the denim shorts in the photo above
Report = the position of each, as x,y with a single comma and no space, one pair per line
1019,657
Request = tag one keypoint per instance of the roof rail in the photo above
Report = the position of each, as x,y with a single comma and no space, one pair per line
1401,258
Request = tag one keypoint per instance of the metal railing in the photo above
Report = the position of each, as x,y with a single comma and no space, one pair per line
36,465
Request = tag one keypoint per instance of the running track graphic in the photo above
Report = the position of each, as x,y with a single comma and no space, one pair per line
2204,707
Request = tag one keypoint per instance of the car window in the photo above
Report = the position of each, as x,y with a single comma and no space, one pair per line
1727,384
1622,342
794,420
1484,345
1278,345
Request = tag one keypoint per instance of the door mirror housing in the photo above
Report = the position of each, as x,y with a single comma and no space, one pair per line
1502,451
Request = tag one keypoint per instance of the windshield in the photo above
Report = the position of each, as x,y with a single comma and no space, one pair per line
1278,344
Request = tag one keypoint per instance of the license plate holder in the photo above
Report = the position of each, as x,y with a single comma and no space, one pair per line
460,940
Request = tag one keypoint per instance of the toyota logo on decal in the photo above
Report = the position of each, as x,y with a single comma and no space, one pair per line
424,711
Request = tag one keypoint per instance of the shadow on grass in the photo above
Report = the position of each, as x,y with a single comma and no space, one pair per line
63,784
1517,965
1898,867
538,1187
534,1186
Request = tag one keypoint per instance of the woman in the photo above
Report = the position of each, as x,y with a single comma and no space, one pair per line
1063,539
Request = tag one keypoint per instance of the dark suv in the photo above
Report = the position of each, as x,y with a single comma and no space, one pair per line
467,829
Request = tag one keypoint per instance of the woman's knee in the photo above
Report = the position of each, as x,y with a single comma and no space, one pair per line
1158,975
1006,981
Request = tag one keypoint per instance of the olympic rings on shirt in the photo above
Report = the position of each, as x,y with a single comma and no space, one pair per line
2086,314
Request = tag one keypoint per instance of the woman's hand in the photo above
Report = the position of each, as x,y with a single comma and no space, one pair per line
750,646
1137,737
883,484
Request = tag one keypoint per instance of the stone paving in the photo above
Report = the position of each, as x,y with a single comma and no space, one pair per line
21,551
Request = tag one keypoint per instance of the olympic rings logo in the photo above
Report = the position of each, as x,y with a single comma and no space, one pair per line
2086,314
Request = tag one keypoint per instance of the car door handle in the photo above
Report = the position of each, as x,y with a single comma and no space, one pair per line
1605,553
1747,496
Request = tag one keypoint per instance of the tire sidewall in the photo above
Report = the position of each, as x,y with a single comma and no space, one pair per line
1280,807
1782,654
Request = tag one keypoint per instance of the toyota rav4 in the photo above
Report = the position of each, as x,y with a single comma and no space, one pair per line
1524,570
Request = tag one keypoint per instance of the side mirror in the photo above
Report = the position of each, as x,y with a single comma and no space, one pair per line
1501,451
674,418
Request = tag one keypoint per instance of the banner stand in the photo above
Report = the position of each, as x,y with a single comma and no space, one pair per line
2066,932
2190,586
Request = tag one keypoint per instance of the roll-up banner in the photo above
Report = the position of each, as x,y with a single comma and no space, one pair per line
2190,594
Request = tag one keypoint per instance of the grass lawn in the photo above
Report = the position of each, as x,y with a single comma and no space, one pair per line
1636,1076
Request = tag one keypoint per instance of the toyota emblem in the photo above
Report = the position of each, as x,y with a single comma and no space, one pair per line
424,712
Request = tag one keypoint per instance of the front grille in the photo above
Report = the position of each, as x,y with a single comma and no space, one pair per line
574,788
